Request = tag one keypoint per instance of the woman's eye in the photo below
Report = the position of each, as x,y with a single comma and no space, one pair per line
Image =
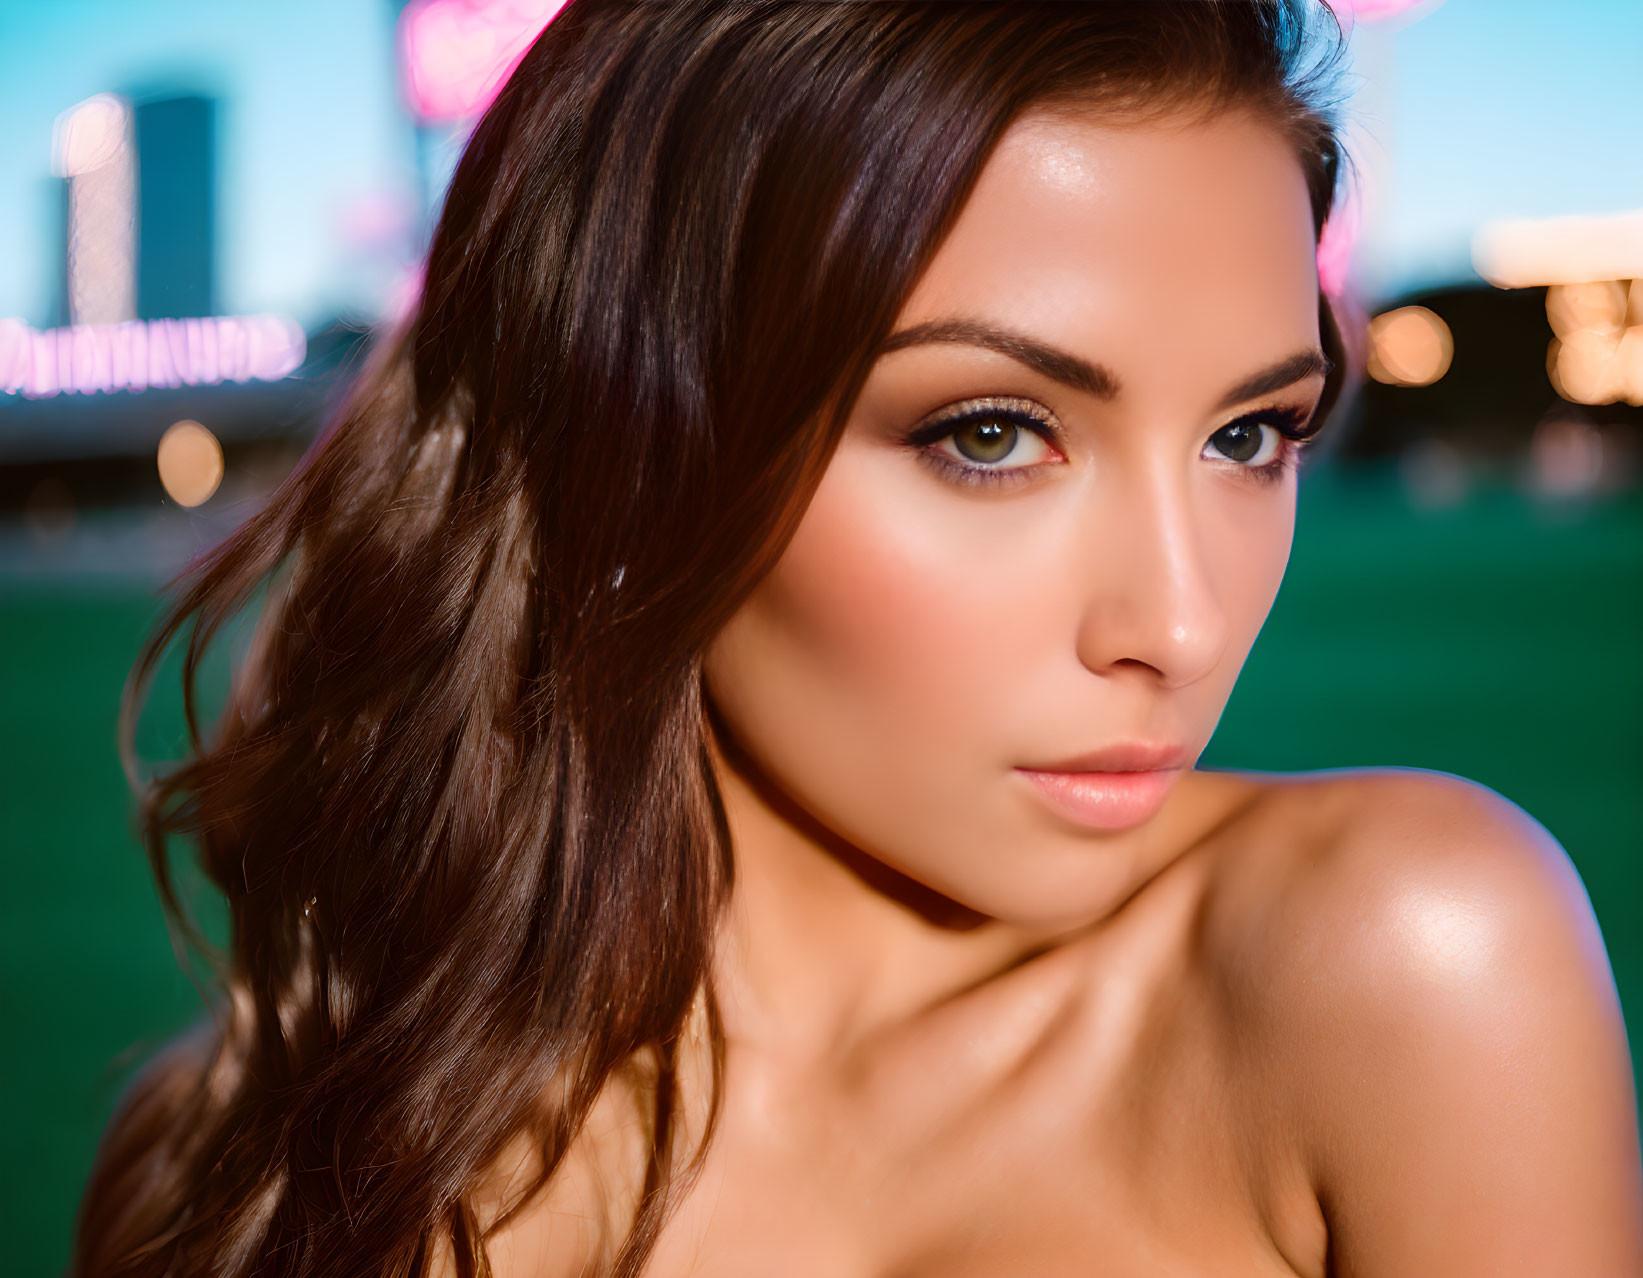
1245,442
988,442
991,441
998,441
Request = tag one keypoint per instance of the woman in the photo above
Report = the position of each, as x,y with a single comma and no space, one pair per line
712,788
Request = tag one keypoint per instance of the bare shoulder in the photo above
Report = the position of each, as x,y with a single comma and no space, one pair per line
1418,958
1411,891
1399,866
1406,879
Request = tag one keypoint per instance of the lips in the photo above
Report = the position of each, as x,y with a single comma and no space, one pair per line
1104,800
1115,788
1126,756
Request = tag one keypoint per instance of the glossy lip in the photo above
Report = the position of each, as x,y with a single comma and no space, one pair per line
1104,800
1114,788
1126,756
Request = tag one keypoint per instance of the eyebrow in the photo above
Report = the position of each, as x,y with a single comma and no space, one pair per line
1083,375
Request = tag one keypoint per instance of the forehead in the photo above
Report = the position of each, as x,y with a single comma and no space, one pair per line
1108,237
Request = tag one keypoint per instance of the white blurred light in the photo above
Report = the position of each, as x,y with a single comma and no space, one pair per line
1628,358
1584,368
1597,304
87,359
1597,356
1523,253
190,462
1554,354
89,135
92,147
1409,346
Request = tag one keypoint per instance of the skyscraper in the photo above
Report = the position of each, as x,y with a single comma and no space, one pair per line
176,207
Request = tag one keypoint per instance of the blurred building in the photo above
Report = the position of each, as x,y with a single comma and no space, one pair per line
176,214
1535,377
136,345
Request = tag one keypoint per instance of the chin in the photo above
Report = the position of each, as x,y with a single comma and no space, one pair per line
1057,888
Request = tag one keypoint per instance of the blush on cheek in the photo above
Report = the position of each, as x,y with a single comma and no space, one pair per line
887,594
870,673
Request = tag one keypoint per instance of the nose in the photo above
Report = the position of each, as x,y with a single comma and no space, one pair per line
1149,590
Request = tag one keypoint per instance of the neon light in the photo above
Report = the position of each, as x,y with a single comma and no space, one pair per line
1375,10
91,146
456,54
89,359
87,136
1335,245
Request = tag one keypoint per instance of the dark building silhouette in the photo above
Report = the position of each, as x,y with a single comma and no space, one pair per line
176,207
1493,396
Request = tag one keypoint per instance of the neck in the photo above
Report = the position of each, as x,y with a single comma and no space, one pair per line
824,947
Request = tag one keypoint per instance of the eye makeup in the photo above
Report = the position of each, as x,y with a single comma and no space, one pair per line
1295,431
1007,420
1011,418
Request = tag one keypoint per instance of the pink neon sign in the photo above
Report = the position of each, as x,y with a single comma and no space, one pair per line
1374,10
1335,245
455,54
86,359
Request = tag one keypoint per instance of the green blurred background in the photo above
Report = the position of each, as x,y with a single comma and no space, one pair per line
1497,639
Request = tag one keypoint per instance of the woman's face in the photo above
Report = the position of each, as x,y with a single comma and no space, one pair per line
1056,521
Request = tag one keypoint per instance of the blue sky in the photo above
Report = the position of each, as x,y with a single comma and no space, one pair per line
1495,108
309,121
1477,109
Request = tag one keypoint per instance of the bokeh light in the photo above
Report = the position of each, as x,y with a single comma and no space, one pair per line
190,461
1597,355
1565,458
1628,359
1435,474
1409,346
1596,304
90,135
457,53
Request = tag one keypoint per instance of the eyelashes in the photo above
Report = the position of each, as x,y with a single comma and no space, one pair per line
996,425
1294,429
1012,420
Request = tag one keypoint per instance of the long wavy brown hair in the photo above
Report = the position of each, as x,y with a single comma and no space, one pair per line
459,800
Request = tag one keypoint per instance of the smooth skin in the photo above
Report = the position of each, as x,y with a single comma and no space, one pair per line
1352,1022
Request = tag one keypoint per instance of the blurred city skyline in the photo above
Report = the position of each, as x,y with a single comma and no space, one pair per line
1462,112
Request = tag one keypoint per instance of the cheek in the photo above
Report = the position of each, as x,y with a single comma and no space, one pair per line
871,671
913,645
887,614
908,632
1248,552
874,597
